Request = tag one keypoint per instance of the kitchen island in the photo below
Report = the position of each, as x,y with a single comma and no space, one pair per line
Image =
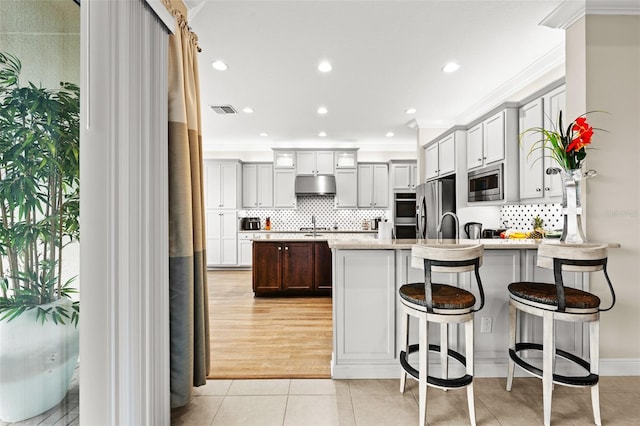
295,263
367,330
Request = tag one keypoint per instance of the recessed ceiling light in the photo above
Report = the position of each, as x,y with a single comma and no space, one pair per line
389,134
219,65
325,66
264,135
410,111
322,110
451,67
322,134
247,110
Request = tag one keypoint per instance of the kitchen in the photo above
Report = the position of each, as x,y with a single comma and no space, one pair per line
414,135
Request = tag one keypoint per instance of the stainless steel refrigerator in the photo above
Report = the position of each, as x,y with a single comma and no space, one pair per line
432,200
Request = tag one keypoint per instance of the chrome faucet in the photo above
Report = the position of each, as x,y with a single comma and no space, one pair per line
455,219
313,222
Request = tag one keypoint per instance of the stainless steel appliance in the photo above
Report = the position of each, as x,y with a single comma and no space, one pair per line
404,214
473,230
432,200
250,223
486,184
315,185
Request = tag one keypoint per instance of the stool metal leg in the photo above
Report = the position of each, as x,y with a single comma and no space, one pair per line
423,357
548,355
403,374
512,344
444,349
468,334
594,350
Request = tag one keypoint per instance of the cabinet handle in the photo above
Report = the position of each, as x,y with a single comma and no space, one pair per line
538,190
547,189
484,158
286,248
279,248
479,160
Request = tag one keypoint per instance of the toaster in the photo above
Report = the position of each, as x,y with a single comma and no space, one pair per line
250,223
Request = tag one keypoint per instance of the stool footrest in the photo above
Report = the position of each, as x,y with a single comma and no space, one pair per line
436,381
588,380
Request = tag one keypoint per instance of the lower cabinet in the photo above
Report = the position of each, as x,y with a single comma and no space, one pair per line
222,237
245,249
291,268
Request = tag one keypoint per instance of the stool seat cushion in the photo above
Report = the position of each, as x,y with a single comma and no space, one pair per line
546,294
444,296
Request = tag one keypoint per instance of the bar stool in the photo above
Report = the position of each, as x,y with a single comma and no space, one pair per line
556,302
443,304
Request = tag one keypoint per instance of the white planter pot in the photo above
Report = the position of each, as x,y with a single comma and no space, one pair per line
36,364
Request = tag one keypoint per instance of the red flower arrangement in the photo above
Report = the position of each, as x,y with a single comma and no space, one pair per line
568,147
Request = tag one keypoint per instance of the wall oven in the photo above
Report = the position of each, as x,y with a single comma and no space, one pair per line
486,184
404,215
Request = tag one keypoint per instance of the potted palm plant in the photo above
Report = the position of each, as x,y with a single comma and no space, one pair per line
39,210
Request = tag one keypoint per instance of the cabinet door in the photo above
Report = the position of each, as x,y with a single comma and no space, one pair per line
229,185
245,252
380,186
284,160
554,103
322,266
365,185
284,190
447,156
267,266
214,237
212,198
229,236
264,183
249,187
401,177
297,266
346,159
324,162
474,146
494,138
306,162
414,176
346,188
531,162
431,161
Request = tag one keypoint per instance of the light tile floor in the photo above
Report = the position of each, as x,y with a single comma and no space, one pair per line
326,402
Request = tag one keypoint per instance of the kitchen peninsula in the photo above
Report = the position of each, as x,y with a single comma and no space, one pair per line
366,315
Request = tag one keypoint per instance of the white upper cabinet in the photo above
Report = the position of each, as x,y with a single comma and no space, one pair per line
221,184
404,176
314,162
346,188
346,159
257,185
440,157
222,237
486,141
284,159
284,188
539,113
373,185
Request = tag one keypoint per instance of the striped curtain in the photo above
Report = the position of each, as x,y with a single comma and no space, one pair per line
188,303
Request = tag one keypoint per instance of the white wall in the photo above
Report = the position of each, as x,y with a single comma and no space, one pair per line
605,75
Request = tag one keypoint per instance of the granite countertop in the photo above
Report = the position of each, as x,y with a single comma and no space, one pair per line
320,236
489,244
297,231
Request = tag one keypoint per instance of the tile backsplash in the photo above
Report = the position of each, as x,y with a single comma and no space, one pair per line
323,207
521,216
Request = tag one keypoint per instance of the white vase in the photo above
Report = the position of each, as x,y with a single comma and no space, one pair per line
572,206
36,363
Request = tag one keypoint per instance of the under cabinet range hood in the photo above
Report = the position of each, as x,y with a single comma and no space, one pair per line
316,185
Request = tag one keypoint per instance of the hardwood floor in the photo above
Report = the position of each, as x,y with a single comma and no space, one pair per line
266,337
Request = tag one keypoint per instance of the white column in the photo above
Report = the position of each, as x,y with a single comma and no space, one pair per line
124,326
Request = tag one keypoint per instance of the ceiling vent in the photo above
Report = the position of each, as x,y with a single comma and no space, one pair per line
223,109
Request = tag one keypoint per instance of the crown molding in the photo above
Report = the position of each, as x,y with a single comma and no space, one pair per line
570,11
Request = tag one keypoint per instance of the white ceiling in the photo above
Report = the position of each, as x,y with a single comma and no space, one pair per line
387,57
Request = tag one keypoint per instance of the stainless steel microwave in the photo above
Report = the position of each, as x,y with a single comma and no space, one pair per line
486,184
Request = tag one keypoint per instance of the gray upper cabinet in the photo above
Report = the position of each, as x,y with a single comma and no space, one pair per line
486,141
221,184
373,185
257,185
314,162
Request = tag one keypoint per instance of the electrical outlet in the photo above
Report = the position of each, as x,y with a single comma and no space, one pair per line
485,324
